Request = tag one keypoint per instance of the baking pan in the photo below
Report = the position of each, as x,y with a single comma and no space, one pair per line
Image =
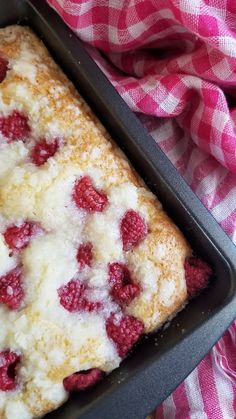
160,362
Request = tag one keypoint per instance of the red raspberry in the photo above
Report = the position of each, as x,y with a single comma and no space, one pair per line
8,368
82,380
85,255
133,229
18,237
197,275
14,126
44,149
11,292
72,297
3,68
125,333
123,289
87,197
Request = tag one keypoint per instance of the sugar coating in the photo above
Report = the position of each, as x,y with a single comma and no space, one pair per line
54,343
8,261
17,409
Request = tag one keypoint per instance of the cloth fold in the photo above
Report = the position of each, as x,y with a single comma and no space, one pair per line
174,63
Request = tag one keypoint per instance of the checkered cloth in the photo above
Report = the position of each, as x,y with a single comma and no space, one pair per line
174,63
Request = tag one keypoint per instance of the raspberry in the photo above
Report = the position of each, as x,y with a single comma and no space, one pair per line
18,237
197,275
3,68
8,368
133,229
125,333
123,290
72,297
87,197
43,150
82,380
85,255
14,126
11,292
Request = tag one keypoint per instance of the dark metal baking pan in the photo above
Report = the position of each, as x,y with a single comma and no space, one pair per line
159,363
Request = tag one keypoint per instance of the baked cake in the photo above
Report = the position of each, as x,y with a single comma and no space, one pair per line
89,261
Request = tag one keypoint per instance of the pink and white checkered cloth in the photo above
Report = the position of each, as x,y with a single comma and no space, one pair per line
174,63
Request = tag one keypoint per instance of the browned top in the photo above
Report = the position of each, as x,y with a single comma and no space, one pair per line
36,86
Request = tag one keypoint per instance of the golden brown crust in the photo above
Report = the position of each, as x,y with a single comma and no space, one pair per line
53,105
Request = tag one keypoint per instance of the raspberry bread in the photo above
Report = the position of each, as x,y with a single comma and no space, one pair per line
89,260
